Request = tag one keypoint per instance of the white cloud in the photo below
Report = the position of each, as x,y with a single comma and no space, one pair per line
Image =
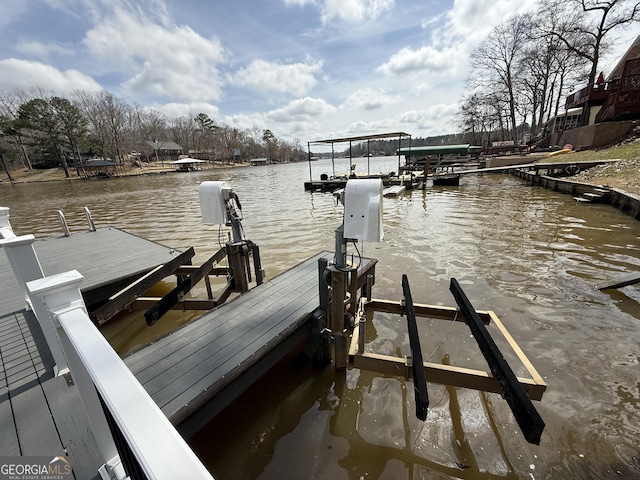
21,74
366,99
468,23
300,3
294,78
301,109
42,50
172,61
354,11
431,119
424,58
175,110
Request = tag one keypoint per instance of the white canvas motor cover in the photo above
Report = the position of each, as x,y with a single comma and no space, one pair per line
212,202
363,209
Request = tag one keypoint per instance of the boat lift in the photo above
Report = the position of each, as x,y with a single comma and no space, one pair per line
219,205
362,201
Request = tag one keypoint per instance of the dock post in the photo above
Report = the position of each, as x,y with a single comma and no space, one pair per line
369,287
6,231
26,267
257,264
235,253
337,313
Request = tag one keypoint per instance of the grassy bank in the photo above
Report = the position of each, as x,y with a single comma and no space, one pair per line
623,174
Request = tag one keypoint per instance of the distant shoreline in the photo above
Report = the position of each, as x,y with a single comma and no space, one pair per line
56,174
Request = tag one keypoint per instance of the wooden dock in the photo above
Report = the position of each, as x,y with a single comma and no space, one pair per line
106,258
192,373
334,184
196,371
41,414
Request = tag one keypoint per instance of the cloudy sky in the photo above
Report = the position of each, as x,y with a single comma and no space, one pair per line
306,69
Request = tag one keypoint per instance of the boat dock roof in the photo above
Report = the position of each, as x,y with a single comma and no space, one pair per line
438,150
360,138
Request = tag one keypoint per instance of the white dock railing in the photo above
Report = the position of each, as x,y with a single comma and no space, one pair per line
5,227
26,267
135,439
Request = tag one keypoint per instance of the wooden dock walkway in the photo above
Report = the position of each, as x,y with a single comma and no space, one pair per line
41,414
549,166
192,373
196,371
104,257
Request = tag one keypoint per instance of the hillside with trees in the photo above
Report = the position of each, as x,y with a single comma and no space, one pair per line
522,72
41,130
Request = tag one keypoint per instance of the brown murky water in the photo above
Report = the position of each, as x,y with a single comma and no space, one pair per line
531,255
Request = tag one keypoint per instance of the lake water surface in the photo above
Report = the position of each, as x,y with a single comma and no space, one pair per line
531,255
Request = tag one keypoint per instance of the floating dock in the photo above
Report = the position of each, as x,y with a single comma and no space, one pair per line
199,369
331,185
41,414
192,374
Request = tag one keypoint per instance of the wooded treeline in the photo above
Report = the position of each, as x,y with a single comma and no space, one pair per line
39,129
522,72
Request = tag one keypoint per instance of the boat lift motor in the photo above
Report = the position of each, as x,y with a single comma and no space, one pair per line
363,210
219,205
362,199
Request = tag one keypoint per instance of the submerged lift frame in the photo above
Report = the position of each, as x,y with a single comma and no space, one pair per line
518,391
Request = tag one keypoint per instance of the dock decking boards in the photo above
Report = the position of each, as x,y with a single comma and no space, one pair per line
187,371
39,413
192,373
101,257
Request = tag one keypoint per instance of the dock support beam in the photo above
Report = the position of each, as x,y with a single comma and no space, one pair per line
236,253
336,317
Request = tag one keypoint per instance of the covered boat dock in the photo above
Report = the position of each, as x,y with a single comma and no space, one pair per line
334,181
418,156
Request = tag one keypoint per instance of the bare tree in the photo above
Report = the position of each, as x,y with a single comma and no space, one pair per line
183,132
107,116
498,61
586,24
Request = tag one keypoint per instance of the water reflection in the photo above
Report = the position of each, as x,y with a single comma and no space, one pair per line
529,254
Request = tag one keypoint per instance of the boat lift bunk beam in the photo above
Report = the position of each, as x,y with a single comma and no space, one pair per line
120,300
523,410
533,386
